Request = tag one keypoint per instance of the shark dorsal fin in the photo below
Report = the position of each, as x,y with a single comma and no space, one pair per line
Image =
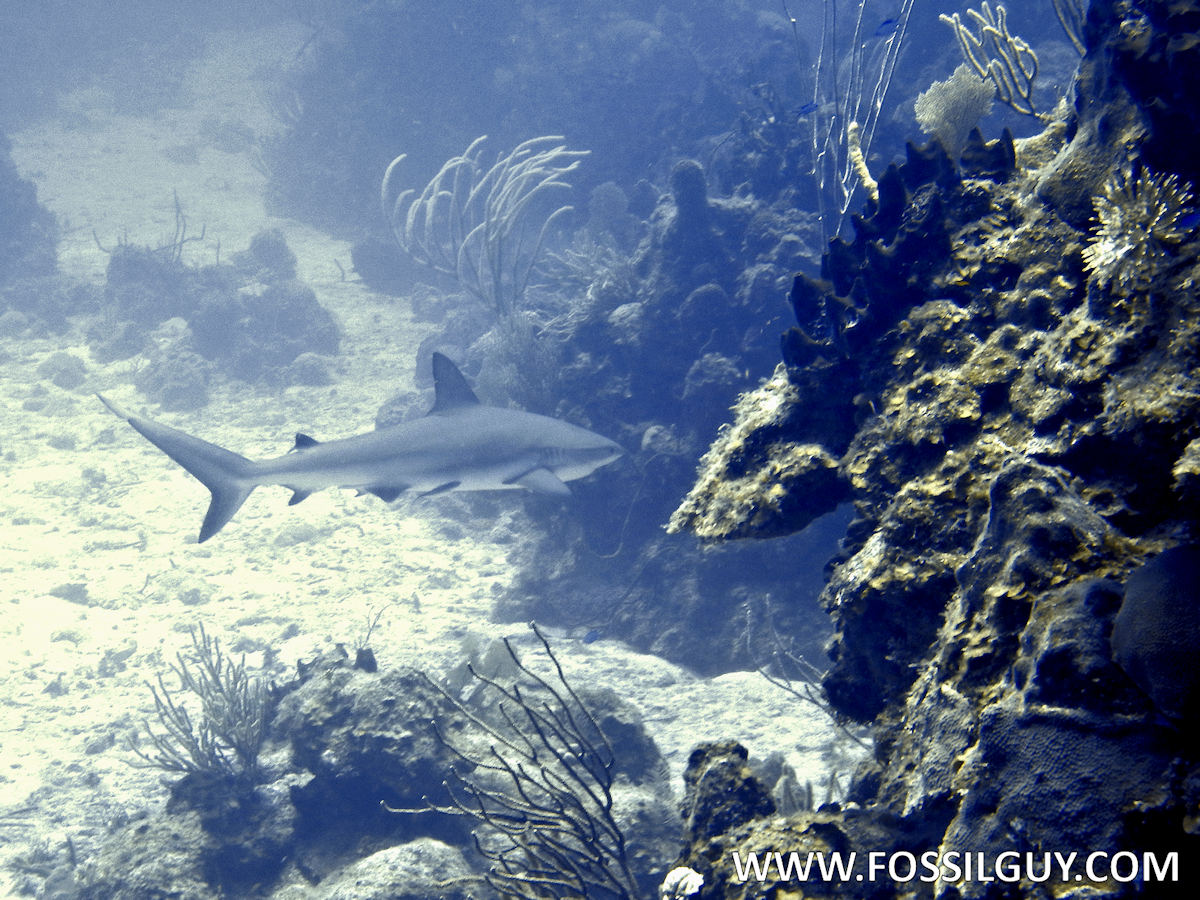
303,441
451,390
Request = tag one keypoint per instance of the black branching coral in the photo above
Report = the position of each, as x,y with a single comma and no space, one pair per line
542,792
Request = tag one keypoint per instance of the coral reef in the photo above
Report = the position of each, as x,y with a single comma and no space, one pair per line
376,76
610,321
948,110
1004,371
29,233
750,500
708,272
720,792
1142,220
249,318
1156,633
28,253
175,376
350,794
314,808
831,379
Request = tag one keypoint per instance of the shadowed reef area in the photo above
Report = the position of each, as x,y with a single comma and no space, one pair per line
999,372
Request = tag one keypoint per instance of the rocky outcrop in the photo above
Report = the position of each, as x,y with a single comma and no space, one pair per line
374,783
1014,420
29,295
28,231
250,318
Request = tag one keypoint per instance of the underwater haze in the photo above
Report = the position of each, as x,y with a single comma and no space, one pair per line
709,449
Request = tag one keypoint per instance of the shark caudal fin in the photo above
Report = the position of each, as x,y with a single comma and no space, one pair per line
229,476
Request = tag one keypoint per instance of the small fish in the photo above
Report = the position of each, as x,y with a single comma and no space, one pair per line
887,26
811,107
593,635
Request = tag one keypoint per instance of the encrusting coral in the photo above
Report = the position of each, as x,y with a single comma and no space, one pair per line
749,500
1009,388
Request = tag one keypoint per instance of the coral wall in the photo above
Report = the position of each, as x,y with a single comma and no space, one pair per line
1014,421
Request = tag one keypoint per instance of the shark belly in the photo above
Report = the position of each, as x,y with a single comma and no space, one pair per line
407,457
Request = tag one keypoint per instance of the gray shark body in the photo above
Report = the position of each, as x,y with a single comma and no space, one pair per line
460,445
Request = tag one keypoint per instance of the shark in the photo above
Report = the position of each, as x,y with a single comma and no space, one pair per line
459,445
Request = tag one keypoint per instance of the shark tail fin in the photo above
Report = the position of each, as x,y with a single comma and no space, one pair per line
227,475
226,501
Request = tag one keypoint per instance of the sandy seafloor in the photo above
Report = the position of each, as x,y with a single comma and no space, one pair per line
100,572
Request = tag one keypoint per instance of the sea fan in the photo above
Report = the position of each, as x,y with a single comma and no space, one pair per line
1142,218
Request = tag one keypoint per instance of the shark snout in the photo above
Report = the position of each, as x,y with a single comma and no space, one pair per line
610,452
585,457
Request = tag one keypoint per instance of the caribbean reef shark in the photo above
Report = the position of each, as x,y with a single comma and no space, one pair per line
460,445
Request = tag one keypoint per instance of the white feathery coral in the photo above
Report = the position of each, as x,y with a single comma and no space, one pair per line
1142,219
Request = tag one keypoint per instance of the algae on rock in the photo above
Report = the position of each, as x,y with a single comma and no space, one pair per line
1015,420
776,481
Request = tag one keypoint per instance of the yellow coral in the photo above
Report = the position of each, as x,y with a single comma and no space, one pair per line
1141,219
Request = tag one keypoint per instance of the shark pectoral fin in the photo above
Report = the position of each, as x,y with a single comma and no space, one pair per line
387,493
541,481
441,488
297,496
303,442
